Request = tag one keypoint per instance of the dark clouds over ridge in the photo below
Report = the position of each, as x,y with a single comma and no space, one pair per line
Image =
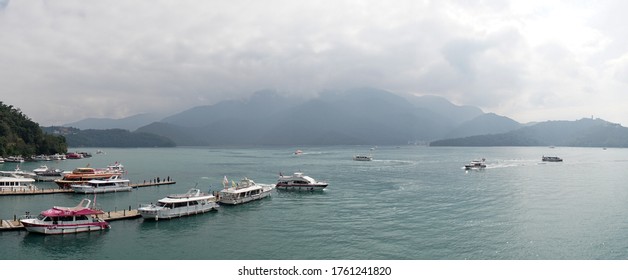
530,60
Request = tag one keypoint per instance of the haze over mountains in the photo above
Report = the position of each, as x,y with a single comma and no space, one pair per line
364,116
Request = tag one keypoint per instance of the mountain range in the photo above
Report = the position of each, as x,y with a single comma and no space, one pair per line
361,116
358,116
580,133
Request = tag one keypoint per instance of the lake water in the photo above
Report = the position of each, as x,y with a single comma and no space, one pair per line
410,202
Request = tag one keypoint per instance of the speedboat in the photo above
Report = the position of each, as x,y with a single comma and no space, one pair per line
44,173
116,168
245,191
299,182
176,205
298,152
113,184
552,159
63,220
475,164
362,158
18,173
17,183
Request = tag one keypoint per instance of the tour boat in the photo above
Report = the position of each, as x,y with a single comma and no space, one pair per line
17,183
300,182
83,174
112,184
63,220
475,164
176,205
243,192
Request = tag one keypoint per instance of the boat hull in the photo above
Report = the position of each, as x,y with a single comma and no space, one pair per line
157,213
81,189
64,228
240,200
295,187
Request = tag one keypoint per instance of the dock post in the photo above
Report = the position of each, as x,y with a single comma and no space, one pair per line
109,214
14,217
123,212
129,207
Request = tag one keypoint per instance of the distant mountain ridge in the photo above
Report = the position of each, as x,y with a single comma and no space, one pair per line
129,123
363,116
356,116
580,133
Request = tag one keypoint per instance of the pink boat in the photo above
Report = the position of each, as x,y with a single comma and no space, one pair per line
62,220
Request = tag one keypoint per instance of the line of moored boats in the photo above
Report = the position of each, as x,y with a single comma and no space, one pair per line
85,217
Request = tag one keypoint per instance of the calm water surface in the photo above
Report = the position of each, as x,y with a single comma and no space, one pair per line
409,203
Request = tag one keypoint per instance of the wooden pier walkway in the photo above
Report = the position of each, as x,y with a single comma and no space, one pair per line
53,191
152,184
6,225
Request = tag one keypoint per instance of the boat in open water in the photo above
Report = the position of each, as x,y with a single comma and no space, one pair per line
64,220
551,159
177,205
299,182
363,158
244,191
112,184
475,165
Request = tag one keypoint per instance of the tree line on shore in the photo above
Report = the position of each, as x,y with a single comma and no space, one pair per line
19,135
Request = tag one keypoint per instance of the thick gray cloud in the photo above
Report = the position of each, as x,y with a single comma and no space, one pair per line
66,60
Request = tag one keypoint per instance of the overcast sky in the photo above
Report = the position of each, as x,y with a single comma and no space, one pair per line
65,60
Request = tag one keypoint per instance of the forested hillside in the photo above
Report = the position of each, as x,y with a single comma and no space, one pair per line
21,136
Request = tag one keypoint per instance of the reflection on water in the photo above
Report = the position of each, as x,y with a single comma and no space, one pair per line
64,246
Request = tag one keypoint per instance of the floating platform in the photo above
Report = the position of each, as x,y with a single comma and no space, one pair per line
124,214
53,191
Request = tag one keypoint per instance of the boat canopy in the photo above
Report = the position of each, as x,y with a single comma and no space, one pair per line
81,209
55,212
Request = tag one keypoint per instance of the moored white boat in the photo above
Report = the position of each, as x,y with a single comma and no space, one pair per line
113,184
177,205
63,220
45,173
299,182
244,191
18,173
17,183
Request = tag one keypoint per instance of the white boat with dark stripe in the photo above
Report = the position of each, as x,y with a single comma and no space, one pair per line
299,182
113,184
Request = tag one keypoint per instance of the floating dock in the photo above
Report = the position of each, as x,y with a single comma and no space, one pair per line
53,191
6,225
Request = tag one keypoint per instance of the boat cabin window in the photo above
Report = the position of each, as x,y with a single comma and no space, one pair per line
44,218
180,204
194,202
66,218
82,218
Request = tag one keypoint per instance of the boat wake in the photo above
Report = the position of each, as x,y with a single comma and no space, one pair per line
510,163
